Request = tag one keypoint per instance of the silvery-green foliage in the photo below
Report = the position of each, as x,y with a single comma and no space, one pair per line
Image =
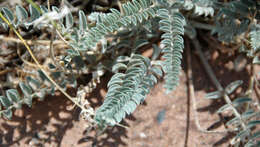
94,16
255,39
252,49
233,18
82,21
134,13
22,15
126,90
33,87
172,24
13,99
36,17
244,135
200,7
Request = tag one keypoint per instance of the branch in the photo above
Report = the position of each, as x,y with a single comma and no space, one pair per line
30,42
214,80
192,94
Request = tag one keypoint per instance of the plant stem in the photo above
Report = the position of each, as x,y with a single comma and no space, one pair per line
192,94
201,25
216,82
249,91
5,71
29,42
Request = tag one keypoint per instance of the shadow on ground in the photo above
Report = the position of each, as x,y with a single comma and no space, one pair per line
47,122
222,63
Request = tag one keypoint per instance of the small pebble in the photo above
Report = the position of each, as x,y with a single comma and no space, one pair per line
161,116
142,135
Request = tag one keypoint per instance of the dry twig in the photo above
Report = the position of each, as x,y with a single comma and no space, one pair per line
192,94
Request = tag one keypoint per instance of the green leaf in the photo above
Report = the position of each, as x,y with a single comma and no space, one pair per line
254,39
224,108
125,91
27,91
21,13
3,24
41,94
119,116
116,79
241,100
8,114
44,9
214,95
132,106
54,8
256,60
136,4
13,95
241,135
151,12
255,135
115,11
233,121
28,101
42,76
152,79
156,52
52,90
130,7
165,29
102,28
157,71
8,14
248,114
251,144
235,103
143,3
163,13
82,21
233,86
34,13
73,52
140,43
127,109
5,101
253,123
126,10
119,66
122,59
35,84
69,21
144,59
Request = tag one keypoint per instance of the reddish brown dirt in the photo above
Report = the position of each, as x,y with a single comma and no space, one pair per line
50,123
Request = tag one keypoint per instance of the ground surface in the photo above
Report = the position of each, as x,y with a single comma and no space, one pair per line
51,123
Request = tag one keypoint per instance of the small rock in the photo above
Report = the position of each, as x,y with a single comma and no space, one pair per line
161,116
142,135
34,141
